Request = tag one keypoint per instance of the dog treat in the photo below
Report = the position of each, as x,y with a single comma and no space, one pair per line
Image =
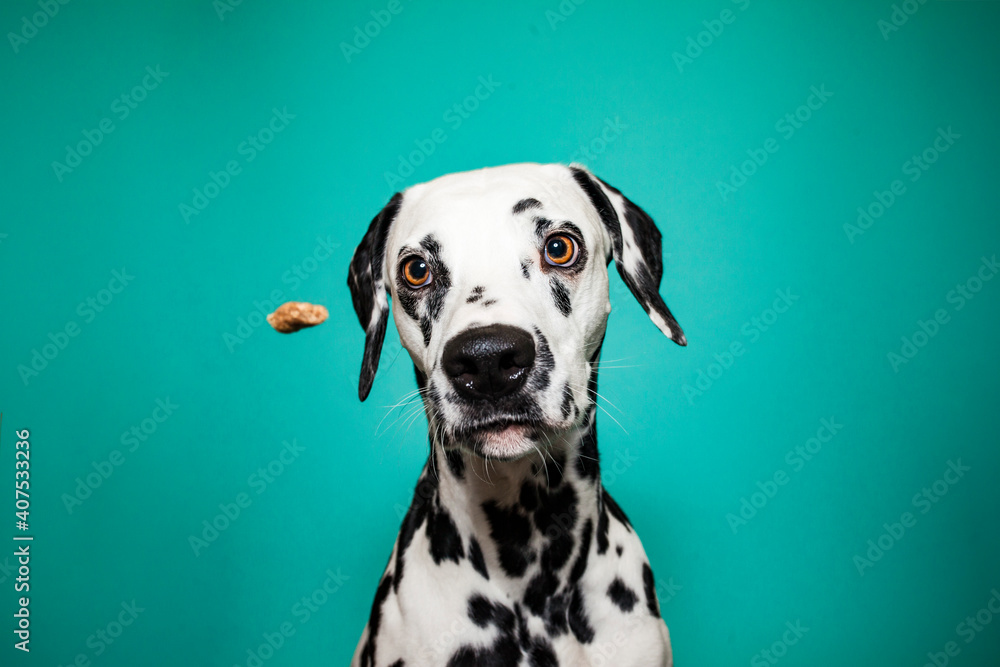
294,315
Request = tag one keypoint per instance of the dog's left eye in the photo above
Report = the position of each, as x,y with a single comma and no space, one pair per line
561,250
416,272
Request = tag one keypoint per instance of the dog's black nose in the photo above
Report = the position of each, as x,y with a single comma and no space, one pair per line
489,362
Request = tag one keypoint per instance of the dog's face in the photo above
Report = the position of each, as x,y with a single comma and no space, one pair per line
500,284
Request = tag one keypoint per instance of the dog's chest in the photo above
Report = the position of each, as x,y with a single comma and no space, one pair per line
556,578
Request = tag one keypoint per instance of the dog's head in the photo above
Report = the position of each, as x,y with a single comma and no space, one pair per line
500,282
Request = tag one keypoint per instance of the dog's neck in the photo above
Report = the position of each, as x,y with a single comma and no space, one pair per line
529,519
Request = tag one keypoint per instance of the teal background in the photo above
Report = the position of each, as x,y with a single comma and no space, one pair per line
684,461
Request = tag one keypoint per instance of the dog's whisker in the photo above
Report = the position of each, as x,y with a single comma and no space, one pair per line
544,467
404,402
594,393
409,423
405,398
403,411
611,417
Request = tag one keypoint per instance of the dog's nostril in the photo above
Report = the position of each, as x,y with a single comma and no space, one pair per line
507,362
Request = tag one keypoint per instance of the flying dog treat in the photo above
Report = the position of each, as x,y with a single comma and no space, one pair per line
294,315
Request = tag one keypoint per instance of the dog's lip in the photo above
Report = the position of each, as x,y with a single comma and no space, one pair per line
499,424
500,439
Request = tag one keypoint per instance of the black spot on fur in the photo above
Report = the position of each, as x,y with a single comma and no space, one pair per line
523,635
445,540
540,588
541,654
555,614
567,401
477,294
602,530
496,613
578,621
505,649
525,265
439,289
615,510
561,297
480,610
526,205
528,498
476,558
510,531
407,299
544,363
622,595
398,663
587,458
489,302
554,465
557,517
431,244
455,462
557,551
374,619
426,329
649,585
619,549
580,564
415,515
542,226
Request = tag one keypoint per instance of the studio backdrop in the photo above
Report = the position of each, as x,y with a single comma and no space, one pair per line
814,476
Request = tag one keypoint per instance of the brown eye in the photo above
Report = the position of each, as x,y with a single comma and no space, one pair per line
560,250
416,272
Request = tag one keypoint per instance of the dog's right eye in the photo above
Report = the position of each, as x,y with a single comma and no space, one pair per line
416,272
561,250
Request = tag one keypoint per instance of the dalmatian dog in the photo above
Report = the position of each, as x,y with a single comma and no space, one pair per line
511,552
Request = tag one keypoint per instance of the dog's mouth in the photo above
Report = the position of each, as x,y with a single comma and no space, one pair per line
501,437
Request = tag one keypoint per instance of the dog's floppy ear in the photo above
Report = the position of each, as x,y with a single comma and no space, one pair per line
635,243
367,282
